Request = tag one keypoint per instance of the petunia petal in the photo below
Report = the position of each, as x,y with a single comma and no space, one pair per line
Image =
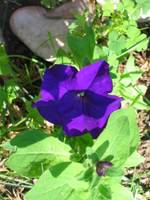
60,111
100,107
55,81
96,110
94,77
80,125
48,110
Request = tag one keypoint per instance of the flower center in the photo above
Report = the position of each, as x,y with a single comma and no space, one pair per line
81,94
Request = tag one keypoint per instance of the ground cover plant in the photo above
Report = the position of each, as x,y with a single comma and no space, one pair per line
69,130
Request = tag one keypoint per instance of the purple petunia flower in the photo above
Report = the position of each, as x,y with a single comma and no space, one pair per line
78,100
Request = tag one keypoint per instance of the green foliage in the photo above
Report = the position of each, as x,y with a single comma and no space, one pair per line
38,151
8,93
62,181
131,73
79,145
3,98
81,41
104,148
108,8
116,43
5,68
134,160
120,30
12,90
120,191
33,114
60,177
136,99
144,4
120,138
126,84
63,57
51,3
110,189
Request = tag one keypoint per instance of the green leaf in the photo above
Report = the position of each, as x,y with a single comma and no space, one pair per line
82,142
117,190
82,46
36,151
129,6
138,43
113,36
114,172
62,57
61,182
133,31
136,99
33,113
48,3
130,66
105,192
120,191
12,90
3,97
134,160
5,68
131,73
130,78
79,145
108,188
85,140
119,139
113,61
101,191
144,4
114,143
116,43
99,53
108,8
130,113
1,198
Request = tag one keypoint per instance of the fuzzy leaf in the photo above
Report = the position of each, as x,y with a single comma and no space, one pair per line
134,160
36,151
60,182
119,139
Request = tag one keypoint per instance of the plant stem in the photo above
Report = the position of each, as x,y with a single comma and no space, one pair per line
10,179
15,184
132,47
20,122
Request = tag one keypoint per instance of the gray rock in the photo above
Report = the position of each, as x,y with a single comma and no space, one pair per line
44,31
